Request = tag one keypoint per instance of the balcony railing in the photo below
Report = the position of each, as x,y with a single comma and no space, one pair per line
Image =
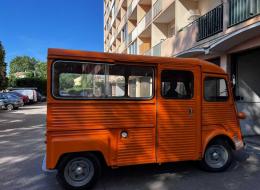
241,10
157,8
148,18
129,38
211,23
135,33
131,7
148,53
155,50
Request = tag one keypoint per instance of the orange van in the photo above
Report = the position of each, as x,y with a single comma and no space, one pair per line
127,110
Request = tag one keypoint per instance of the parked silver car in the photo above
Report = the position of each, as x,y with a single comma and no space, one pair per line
10,101
2,105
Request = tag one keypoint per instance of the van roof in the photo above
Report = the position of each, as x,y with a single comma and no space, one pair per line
114,57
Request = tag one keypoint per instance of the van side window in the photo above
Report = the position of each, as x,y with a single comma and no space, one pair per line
78,80
177,84
215,89
140,82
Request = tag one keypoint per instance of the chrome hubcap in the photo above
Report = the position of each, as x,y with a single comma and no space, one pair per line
216,156
79,171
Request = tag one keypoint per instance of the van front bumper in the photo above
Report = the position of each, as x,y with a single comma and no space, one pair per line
239,144
44,167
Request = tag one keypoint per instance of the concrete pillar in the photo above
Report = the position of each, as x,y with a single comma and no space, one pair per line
224,62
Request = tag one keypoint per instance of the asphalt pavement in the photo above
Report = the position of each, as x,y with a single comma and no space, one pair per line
22,149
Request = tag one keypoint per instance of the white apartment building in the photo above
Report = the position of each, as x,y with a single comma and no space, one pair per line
225,32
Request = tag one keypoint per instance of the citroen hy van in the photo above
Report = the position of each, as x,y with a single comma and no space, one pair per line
122,110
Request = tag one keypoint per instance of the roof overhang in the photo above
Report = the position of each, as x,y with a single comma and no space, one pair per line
235,38
191,53
226,42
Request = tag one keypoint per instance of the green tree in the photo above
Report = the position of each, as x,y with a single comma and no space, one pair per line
41,70
3,79
34,70
67,81
22,64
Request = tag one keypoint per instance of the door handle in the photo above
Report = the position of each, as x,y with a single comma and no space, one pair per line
190,112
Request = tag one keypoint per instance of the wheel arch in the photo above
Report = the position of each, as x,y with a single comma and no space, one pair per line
98,154
225,137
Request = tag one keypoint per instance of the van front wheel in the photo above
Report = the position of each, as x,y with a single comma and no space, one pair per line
79,171
217,157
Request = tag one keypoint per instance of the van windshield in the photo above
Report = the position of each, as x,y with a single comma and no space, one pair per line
215,89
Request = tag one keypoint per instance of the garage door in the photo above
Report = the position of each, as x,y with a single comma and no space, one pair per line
247,90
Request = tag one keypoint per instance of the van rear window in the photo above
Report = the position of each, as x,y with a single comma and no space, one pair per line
81,80
215,89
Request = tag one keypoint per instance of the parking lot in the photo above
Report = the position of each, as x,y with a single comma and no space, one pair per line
22,149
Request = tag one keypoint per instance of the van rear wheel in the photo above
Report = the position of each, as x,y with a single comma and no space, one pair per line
79,171
217,156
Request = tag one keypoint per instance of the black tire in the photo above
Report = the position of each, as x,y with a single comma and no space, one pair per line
222,162
66,164
10,107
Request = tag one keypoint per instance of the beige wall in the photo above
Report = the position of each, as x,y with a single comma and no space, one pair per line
182,13
159,32
207,5
141,11
145,45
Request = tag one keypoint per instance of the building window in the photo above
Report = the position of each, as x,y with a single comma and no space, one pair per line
124,33
177,84
215,89
133,48
78,80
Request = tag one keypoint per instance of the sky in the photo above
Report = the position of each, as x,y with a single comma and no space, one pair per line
30,27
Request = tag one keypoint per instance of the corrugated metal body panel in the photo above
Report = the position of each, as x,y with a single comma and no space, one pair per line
138,148
94,120
176,130
219,114
84,115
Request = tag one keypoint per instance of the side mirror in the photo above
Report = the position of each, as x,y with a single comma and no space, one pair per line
241,115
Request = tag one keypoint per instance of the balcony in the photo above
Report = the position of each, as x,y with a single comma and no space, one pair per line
226,26
155,50
122,47
144,23
211,23
132,7
157,8
148,53
130,38
122,23
241,10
